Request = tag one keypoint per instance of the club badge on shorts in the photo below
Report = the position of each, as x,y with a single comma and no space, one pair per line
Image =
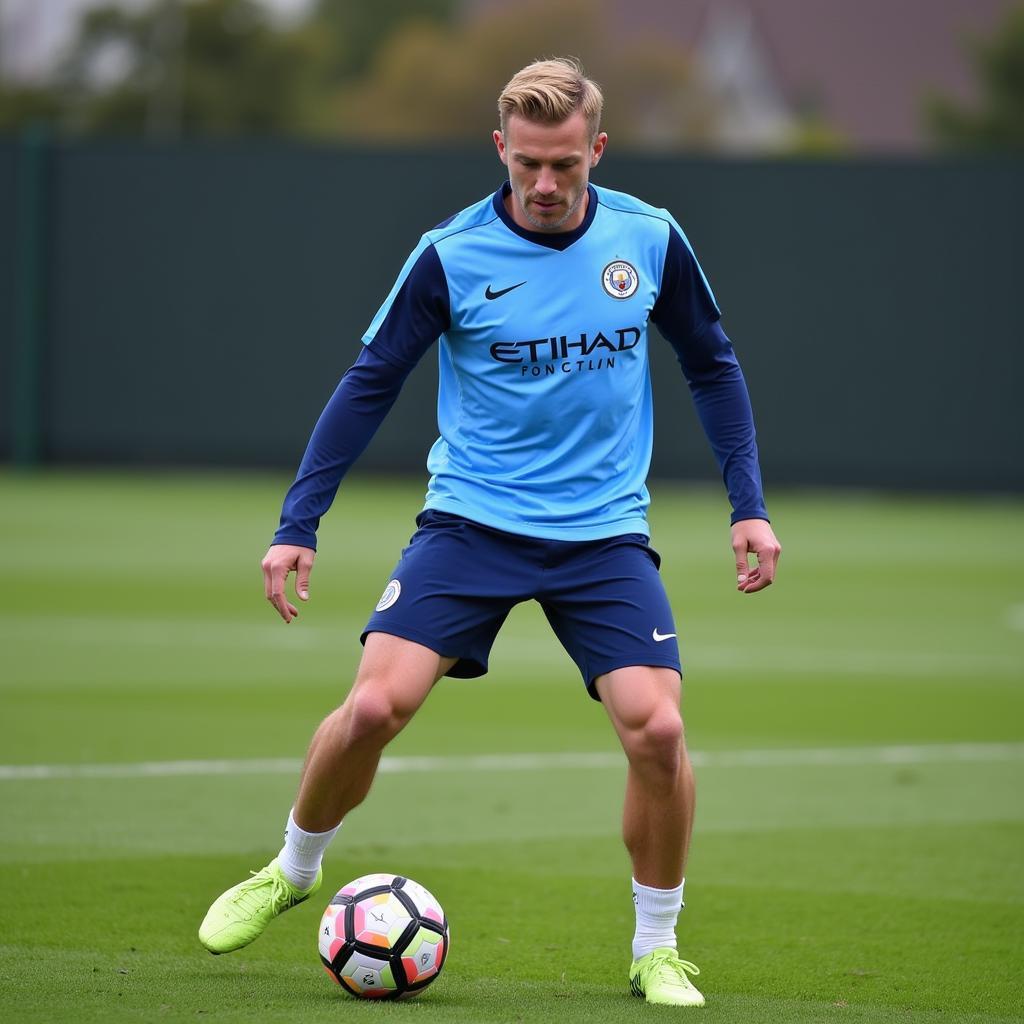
392,592
620,279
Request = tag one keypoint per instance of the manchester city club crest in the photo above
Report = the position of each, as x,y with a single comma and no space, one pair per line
620,279
392,592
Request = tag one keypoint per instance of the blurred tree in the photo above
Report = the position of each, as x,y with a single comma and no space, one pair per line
23,105
212,67
813,135
394,71
998,120
431,82
205,67
359,29
188,67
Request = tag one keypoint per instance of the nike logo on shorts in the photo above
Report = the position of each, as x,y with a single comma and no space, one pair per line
658,637
488,294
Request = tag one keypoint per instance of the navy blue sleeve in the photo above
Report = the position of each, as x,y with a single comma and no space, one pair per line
350,419
686,314
418,314
415,315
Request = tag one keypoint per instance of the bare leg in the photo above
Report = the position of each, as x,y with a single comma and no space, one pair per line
393,680
643,705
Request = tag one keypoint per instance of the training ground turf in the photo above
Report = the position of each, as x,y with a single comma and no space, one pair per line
858,730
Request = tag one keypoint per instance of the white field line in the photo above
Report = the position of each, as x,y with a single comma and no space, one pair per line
823,757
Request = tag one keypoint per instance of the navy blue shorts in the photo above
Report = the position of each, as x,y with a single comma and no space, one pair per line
457,581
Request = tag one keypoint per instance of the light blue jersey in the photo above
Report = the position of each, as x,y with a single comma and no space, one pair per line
544,404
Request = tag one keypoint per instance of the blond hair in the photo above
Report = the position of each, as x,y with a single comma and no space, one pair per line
550,91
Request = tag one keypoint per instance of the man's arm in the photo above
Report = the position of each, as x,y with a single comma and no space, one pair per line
346,426
351,417
723,407
411,319
688,317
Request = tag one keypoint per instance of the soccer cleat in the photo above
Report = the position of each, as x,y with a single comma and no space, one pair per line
242,913
660,977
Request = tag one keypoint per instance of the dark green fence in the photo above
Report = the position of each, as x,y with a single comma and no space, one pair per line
196,304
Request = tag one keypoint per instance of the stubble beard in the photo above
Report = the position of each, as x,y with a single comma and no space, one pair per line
548,225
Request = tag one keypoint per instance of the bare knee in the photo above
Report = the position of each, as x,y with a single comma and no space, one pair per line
656,740
373,713
395,675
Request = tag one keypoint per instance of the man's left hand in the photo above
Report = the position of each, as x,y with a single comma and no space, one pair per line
755,536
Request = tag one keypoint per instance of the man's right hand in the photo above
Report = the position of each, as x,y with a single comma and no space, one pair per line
278,562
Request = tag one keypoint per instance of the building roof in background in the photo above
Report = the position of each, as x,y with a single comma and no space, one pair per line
863,65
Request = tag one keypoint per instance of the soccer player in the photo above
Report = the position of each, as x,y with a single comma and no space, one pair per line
541,296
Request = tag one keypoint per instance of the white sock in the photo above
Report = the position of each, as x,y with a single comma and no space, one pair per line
302,852
657,911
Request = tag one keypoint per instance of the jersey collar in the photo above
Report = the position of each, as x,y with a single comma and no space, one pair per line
551,239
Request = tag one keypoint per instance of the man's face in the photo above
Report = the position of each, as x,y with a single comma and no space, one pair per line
549,168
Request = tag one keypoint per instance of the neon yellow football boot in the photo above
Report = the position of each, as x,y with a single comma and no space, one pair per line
242,913
660,977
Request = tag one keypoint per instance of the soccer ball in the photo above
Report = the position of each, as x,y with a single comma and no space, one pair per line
383,937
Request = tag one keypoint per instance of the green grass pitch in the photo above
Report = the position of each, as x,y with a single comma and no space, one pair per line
859,734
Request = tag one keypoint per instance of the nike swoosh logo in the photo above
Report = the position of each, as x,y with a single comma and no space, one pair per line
504,291
658,637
